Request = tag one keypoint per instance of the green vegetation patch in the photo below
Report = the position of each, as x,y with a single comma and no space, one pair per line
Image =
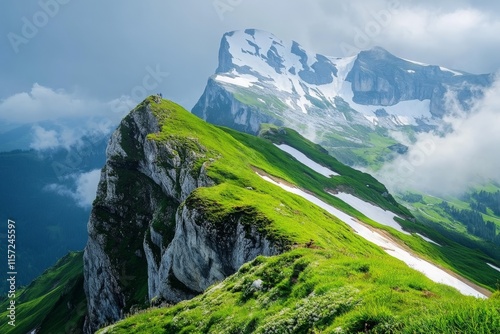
54,300
320,291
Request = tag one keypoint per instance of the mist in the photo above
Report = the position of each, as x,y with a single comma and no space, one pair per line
82,190
450,164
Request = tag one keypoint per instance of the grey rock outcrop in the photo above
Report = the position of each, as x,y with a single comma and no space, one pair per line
144,241
379,78
218,106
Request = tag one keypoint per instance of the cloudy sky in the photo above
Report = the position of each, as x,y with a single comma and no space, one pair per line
88,62
56,54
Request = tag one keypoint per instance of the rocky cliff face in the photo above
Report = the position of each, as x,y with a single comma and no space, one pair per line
218,106
147,239
379,78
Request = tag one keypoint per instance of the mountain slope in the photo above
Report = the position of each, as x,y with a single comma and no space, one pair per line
181,206
348,105
321,291
148,176
53,303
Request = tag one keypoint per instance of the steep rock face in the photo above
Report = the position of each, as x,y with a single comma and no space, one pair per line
219,106
381,79
204,252
143,242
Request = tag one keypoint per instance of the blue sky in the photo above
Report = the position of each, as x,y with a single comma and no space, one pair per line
71,60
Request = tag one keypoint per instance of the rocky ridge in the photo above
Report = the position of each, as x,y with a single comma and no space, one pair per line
145,236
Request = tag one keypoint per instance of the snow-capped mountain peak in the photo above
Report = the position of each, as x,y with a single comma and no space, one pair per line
264,79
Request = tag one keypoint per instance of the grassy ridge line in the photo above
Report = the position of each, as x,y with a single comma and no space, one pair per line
356,180
462,248
469,263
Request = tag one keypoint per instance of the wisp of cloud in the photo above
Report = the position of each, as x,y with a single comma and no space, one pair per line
452,163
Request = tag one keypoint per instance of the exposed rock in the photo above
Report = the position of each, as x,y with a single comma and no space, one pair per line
203,253
218,106
381,79
141,236
257,284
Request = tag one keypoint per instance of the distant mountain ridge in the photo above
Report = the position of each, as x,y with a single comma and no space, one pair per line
262,79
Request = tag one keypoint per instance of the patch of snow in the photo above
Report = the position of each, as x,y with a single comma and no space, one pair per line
303,102
371,211
494,267
410,71
403,120
303,159
415,62
242,81
444,69
427,239
372,119
410,110
392,248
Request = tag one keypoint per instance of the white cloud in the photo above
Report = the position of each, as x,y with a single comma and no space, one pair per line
452,163
46,104
40,104
61,137
83,190
44,139
469,36
86,187
62,119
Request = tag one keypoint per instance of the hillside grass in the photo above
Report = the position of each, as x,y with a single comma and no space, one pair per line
331,280
235,156
322,291
44,303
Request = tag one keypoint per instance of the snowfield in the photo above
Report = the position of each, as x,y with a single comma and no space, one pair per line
391,247
371,211
302,158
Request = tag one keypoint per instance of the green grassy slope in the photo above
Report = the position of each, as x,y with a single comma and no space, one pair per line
322,291
54,302
330,280
435,221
